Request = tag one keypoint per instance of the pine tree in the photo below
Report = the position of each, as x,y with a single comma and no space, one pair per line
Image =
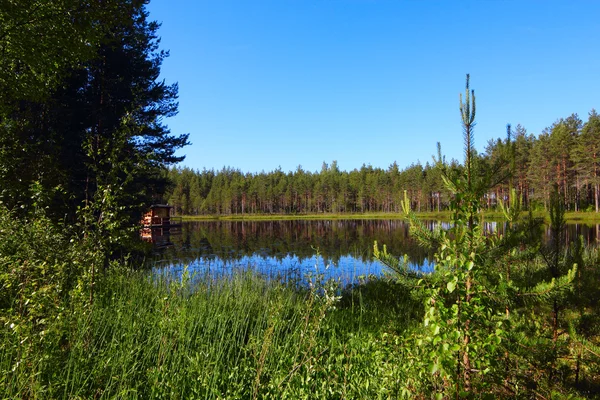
541,173
586,156
465,340
523,145
563,135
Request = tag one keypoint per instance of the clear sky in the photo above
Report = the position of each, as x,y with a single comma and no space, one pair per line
282,83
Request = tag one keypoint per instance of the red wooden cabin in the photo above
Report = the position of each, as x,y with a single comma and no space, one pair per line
160,216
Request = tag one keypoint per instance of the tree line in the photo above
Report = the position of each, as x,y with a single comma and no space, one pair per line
565,155
230,191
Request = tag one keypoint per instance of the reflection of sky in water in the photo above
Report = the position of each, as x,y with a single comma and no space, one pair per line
347,270
286,250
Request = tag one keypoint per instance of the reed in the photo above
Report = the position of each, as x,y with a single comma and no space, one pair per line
241,336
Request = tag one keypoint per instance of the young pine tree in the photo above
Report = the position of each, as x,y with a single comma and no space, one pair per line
461,349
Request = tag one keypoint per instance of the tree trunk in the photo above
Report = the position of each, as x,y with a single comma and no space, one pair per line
466,341
596,182
577,195
596,187
555,322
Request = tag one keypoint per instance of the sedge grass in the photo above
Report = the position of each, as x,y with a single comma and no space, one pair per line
242,336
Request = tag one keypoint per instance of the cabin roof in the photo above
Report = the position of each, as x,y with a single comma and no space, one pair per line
153,206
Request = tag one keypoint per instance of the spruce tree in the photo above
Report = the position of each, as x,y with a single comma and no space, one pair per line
100,132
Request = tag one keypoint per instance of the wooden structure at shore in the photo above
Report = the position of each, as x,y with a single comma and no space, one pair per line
157,225
160,216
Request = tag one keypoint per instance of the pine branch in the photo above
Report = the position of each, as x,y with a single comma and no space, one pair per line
400,266
556,287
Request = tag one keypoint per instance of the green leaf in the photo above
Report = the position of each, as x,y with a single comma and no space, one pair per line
451,286
433,368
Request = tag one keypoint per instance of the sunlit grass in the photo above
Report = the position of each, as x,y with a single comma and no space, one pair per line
241,336
571,217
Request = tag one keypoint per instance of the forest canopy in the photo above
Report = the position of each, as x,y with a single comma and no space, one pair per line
565,155
81,116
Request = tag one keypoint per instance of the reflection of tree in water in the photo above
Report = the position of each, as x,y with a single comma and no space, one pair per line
231,241
590,233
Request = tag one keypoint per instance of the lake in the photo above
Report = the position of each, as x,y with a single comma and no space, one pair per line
294,249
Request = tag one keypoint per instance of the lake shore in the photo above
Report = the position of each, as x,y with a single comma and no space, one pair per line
584,217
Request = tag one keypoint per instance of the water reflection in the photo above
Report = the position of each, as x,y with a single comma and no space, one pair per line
287,249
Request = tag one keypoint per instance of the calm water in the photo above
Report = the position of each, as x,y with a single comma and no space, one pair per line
293,249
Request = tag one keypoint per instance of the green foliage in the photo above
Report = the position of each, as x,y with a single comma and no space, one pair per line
41,40
99,125
565,154
185,336
40,269
231,192
481,288
467,114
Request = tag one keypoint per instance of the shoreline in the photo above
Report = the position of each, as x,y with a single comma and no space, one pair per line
570,217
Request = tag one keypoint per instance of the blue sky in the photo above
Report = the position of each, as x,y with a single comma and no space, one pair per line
282,83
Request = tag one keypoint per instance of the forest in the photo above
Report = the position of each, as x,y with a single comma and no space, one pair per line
81,122
567,154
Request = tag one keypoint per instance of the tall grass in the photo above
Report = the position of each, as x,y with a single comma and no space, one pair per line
237,337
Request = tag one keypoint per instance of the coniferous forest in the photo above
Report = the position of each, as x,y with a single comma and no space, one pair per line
82,108
566,155
84,314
